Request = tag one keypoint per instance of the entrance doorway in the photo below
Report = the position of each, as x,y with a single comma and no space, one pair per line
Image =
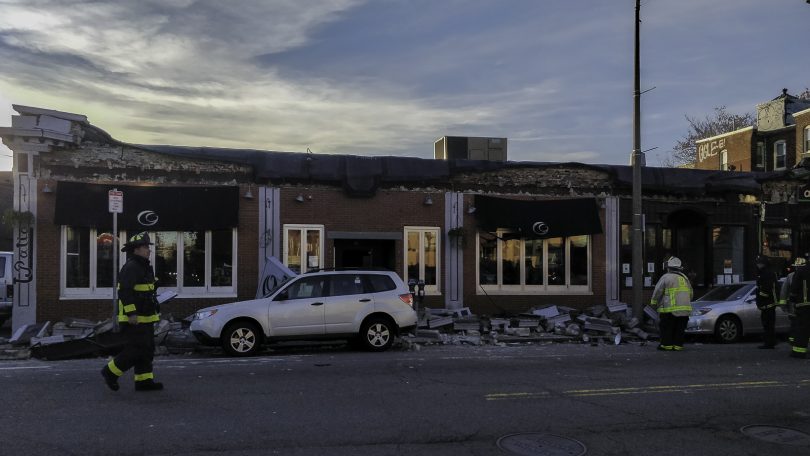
365,253
689,243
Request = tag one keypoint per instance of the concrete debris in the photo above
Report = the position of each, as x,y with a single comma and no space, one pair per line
610,324
77,338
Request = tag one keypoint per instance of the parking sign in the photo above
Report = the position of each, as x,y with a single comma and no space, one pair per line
116,201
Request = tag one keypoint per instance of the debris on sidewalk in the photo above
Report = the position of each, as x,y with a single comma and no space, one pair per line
80,338
612,323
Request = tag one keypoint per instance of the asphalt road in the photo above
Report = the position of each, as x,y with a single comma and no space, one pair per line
440,400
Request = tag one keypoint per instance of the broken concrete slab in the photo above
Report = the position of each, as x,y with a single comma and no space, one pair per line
439,322
547,312
652,313
23,334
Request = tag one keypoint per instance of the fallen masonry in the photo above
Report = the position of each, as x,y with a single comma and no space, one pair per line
79,338
608,324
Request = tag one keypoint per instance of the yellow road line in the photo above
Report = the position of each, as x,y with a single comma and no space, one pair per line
645,390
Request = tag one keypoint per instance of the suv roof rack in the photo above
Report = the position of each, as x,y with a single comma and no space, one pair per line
348,269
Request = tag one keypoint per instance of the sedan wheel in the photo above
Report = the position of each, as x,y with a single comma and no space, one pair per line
377,334
728,330
241,339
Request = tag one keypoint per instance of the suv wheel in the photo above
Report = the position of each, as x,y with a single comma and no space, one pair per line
377,334
242,338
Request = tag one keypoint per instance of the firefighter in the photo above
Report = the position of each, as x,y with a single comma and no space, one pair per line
672,298
767,300
800,299
784,294
138,311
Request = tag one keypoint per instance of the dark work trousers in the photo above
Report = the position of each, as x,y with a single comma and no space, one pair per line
768,318
802,329
139,350
673,331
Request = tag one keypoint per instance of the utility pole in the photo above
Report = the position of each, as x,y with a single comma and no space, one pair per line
637,161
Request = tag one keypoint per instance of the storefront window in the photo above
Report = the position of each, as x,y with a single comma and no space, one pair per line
728,254
104,260
777,242
535,265
207,259
534,262
77,252
510,262
221,258
303,247
166,258
487,260
194,259
422,256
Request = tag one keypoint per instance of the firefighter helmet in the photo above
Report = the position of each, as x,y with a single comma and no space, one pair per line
137,240
673,263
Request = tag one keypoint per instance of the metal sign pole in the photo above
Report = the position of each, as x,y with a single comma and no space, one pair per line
115,271
115,202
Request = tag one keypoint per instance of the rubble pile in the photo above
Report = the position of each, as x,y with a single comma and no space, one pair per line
78,338
611,323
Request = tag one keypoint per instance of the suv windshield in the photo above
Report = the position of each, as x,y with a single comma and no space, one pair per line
727,292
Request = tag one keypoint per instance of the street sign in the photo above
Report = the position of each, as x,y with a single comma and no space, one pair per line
116,201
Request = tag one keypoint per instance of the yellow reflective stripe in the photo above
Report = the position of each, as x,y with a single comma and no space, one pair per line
677,347
129,308
799,350
803,304
114,369
653,302
148,319
144,287
675,309
142,377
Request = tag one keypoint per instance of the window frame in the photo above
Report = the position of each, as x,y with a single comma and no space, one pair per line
759,159
522,289
421,230
778,146
723,160
303,228
806,140
94,292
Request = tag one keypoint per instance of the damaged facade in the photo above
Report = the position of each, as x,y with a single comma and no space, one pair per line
498,238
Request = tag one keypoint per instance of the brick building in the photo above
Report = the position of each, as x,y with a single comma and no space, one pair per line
779,145
498,237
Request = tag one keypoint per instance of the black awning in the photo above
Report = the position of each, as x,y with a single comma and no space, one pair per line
538,219
148,208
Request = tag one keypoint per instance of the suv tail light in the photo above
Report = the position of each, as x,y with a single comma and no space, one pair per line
9,291
407,298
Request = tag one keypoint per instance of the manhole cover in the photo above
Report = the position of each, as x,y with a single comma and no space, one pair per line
777,434
541,445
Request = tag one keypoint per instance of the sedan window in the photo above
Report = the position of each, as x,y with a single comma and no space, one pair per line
727,292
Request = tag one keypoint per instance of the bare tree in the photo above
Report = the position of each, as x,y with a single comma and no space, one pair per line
685,150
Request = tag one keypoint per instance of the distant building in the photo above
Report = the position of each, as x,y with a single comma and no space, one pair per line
779,141
469,148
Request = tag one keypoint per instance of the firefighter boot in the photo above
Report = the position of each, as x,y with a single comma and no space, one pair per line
109,378
148,385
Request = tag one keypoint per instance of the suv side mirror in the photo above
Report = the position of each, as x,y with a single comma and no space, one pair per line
283,296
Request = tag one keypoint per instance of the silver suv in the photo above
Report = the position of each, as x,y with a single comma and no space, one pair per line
371,307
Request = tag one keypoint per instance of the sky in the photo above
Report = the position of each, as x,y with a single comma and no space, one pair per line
389,77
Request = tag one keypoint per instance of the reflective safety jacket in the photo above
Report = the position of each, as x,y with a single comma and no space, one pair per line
800,288
767,295
785,293
137,292
673,294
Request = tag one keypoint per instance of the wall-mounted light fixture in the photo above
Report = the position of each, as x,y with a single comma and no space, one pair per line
428,201
248,194
46,189
300,198
471,209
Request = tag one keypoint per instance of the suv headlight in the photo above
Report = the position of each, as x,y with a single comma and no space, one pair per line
700,311
204,314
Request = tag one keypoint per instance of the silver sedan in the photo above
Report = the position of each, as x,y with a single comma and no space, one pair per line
729,312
